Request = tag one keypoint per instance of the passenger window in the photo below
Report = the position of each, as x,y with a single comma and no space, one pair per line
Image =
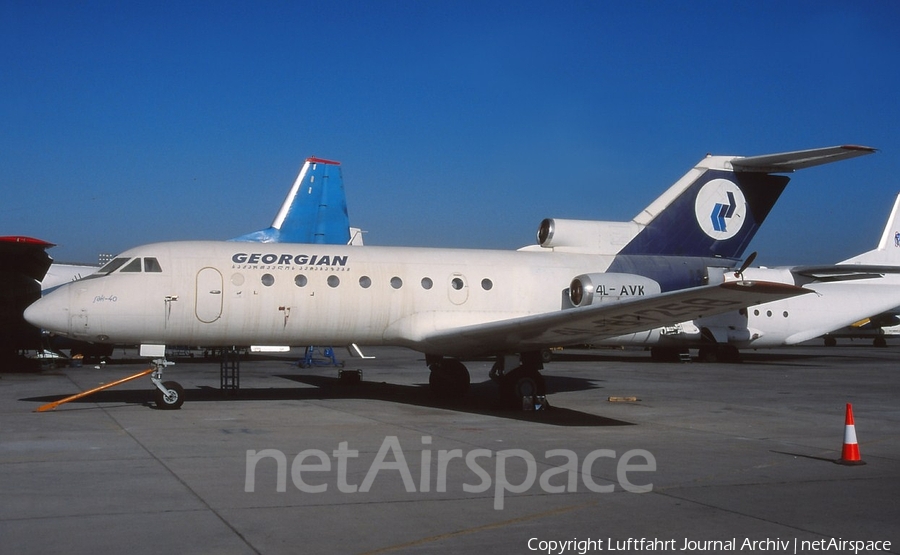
487,284
396,282
427,283
365,282
300,280
333,281
152,265
133,266
268,280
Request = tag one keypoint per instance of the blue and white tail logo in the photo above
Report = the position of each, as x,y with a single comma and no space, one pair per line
720,209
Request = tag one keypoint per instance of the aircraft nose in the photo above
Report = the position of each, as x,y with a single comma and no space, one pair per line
48,314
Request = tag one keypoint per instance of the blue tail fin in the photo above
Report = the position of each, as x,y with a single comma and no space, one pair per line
714,215
717,208
315,210
712,212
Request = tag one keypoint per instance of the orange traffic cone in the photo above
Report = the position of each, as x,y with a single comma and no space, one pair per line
850,452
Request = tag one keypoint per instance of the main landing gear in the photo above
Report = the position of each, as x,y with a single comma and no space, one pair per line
517,379
719,353
449,377
521,382
169,395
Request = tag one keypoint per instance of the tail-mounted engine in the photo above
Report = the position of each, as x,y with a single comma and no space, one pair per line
586,236
588,289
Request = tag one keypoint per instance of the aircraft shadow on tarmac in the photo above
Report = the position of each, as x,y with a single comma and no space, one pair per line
482,398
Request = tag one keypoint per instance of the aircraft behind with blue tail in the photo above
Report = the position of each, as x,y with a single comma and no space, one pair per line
583,281
314,211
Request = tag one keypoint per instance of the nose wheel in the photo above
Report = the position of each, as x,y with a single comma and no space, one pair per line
169,395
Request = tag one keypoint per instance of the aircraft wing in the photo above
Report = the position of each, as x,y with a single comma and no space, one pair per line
844,272
586,324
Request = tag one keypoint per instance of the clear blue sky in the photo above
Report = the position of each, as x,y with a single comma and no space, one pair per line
457,123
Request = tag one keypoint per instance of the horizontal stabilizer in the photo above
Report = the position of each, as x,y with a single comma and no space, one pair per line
789,161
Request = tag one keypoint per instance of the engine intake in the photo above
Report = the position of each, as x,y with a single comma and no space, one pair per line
588,289
586,236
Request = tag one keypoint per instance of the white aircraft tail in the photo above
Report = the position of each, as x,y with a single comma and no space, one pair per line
888,251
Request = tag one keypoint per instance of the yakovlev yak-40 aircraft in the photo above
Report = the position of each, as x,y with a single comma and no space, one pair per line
586,280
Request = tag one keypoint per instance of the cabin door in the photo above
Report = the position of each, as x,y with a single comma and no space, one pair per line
209,295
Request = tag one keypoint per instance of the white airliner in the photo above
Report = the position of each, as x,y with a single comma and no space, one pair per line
884,324
585,281
845,293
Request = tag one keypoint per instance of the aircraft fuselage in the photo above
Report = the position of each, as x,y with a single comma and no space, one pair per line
226,293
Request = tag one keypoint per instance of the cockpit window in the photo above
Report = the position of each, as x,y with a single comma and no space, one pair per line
152,265
112,266
126,264
133,266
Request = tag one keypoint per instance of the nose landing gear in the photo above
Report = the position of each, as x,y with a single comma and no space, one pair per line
169,395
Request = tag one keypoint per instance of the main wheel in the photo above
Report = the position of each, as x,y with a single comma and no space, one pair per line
449,379
546,355
729,353
708,354
172,399
518,384
526,386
